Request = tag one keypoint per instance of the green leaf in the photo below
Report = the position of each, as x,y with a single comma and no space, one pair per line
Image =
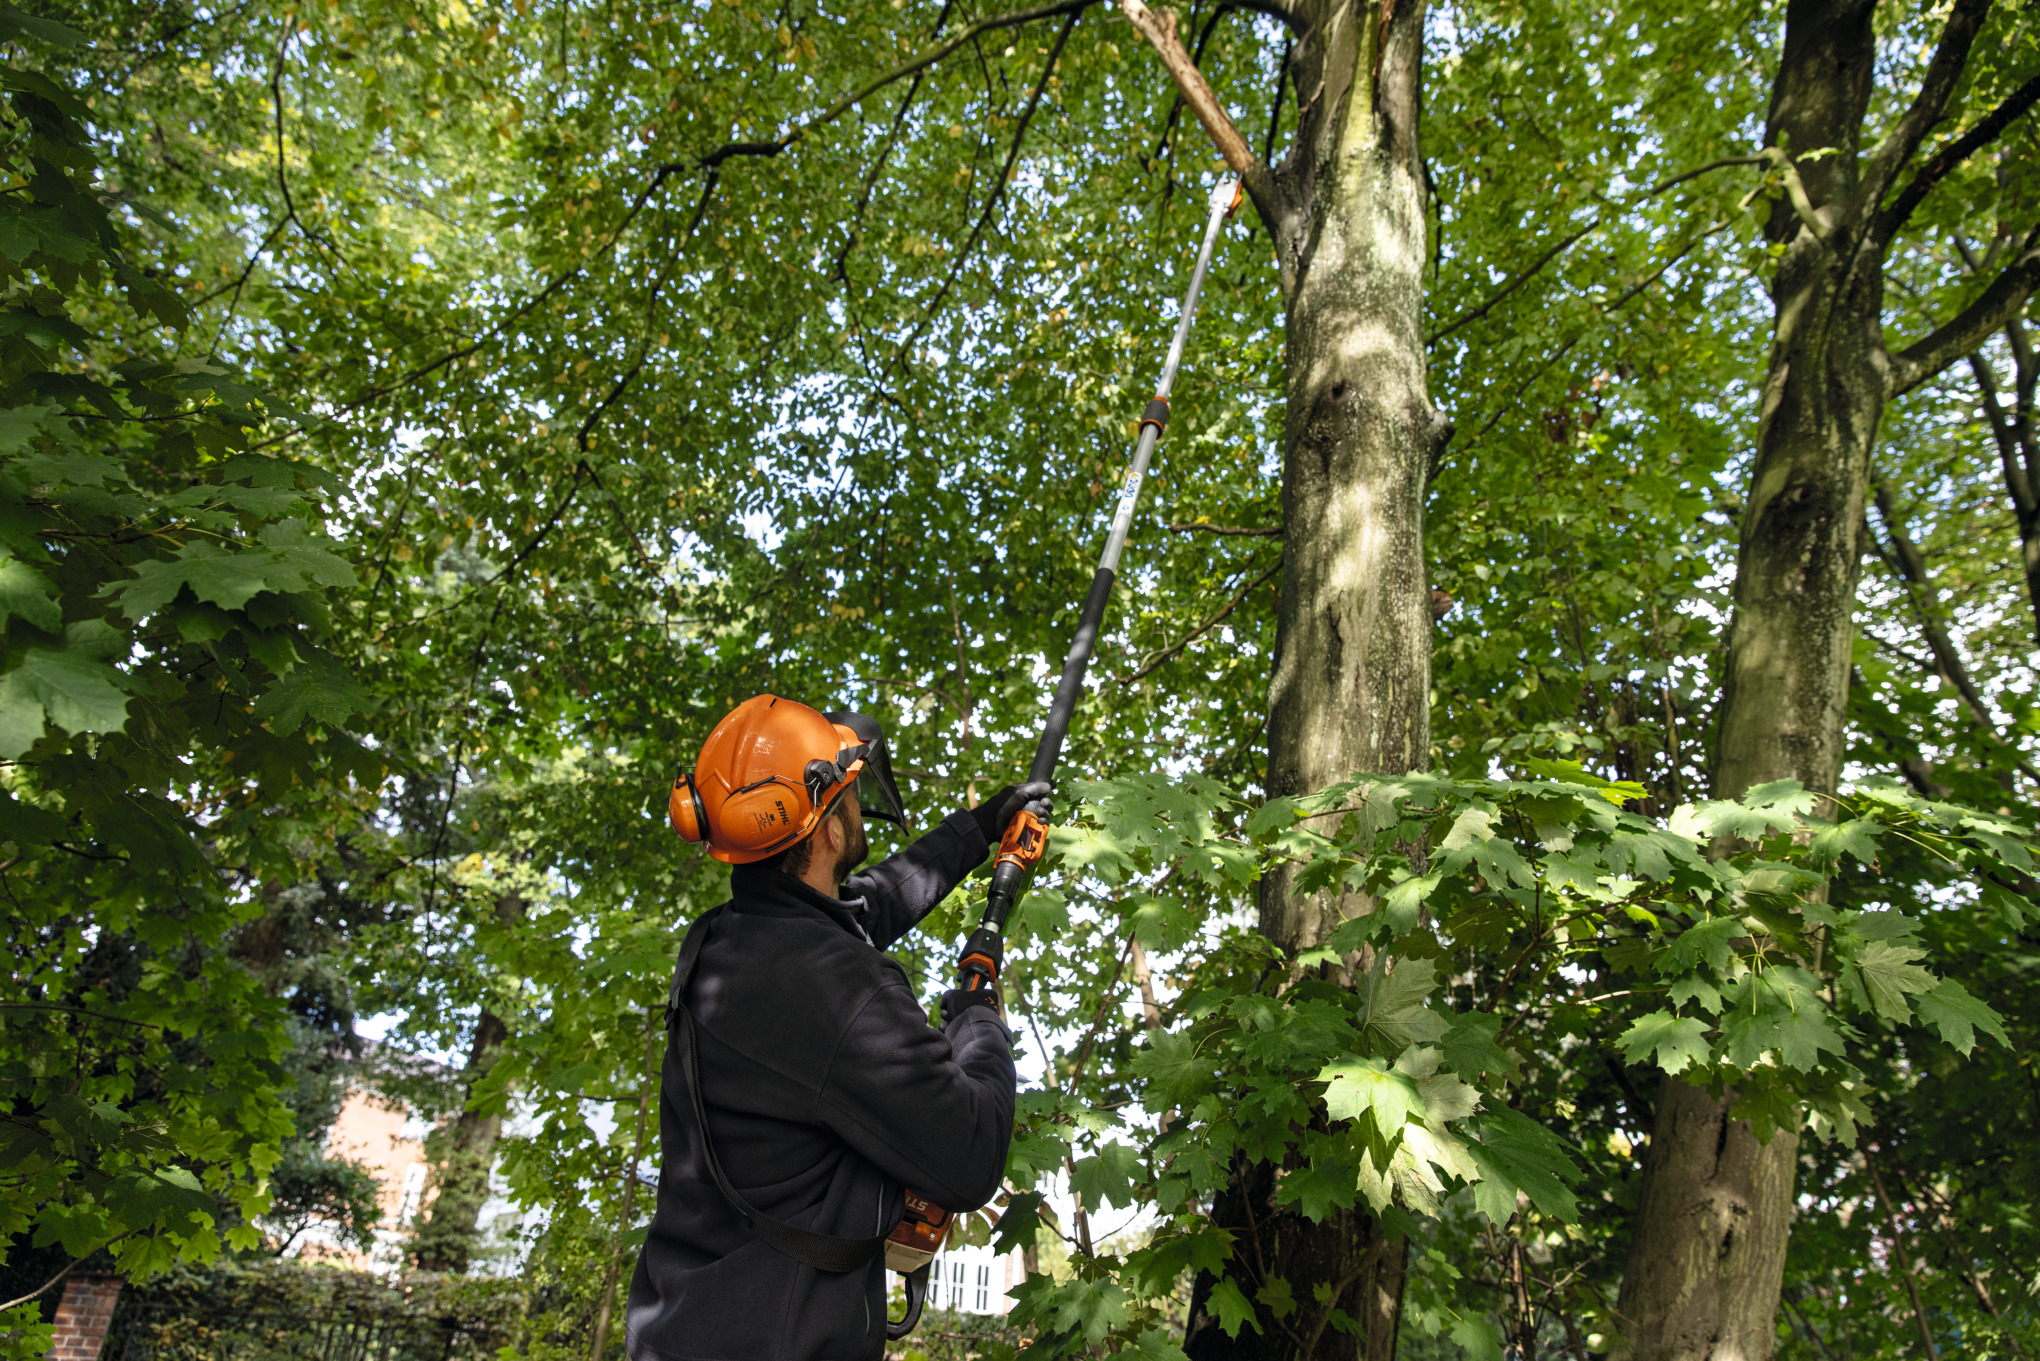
1516,1150
1708,940
1617,792
1277,1295
1679,1042
1107,1176
1091,1308
1369,1087
1174,1073
1392,1006
1950,1009
1232,1308
1889,976
224,577
1018,1223
1154,1344
318,689
14,23
26,594
1857,837
70,688
1471,1049
1478,1335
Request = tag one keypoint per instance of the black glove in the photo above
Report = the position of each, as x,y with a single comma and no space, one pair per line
959,1000
1001,808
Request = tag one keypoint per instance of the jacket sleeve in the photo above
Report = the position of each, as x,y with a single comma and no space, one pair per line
931,1109
906,886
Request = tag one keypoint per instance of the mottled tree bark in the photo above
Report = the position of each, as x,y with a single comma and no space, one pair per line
1708,1249
1351,685
464,1152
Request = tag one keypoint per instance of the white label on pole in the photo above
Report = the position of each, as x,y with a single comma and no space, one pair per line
1131,490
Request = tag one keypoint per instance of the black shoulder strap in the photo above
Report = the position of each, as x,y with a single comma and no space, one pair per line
822,1251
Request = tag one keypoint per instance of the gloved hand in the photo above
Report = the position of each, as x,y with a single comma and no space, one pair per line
1001,808
959,1000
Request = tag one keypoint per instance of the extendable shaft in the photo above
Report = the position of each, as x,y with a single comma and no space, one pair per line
1011,869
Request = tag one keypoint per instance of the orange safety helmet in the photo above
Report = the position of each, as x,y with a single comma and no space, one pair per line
772,770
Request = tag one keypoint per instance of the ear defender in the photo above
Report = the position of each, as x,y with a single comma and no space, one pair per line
689,814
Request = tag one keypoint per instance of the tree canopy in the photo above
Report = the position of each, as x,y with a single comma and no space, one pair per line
422,421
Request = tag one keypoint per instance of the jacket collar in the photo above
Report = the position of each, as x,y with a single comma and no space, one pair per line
775,894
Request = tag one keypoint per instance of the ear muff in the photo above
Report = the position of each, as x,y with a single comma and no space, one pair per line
689,814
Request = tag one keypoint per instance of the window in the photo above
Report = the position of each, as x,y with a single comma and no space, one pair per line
956,1285
984,1290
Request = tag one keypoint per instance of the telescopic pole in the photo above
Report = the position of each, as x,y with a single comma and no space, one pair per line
1026,837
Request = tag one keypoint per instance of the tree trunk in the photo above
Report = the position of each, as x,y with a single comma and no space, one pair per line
464,1153
1707,1253
1351,685
461,1164
1712,1222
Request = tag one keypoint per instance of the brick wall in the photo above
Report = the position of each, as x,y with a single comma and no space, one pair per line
83,1316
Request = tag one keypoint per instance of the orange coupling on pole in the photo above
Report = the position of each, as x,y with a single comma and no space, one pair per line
1025,839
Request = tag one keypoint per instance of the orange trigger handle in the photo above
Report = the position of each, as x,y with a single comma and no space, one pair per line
1025,839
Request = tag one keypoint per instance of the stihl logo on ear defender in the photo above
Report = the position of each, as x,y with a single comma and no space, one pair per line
778,818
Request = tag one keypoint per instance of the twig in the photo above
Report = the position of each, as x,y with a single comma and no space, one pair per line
1269,532
991,200
1175,649
77,1011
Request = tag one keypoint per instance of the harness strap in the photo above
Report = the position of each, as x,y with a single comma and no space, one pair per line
822,1251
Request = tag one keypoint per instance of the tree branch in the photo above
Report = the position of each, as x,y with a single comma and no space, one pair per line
1270,532
1160,32
1911,568
1997,305
992,199
928,57
1553,253
1948,157
1175,649
1510,287
1944,71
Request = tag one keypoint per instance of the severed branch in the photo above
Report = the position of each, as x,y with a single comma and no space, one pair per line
1986,131
1944,72
1160,31
1996,306
1816,221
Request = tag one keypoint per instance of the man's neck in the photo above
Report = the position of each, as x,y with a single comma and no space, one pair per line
822,881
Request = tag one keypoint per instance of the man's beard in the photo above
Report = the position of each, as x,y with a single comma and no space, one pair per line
855,849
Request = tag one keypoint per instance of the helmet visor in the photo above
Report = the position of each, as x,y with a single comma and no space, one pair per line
877,795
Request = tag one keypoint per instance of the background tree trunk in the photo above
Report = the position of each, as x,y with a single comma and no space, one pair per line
464,1152
1708,1252
1351,684
461,1164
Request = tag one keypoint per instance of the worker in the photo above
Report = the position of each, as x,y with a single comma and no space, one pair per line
822,1092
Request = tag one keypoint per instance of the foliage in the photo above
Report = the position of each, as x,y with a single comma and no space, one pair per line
166,717
1703,944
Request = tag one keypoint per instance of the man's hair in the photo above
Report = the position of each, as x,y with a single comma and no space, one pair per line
795,859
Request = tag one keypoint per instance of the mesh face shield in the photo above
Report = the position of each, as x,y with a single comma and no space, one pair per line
877,795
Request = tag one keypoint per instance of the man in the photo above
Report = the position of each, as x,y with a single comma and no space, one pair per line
823,1090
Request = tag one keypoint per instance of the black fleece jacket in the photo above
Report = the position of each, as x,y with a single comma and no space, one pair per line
827,1091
